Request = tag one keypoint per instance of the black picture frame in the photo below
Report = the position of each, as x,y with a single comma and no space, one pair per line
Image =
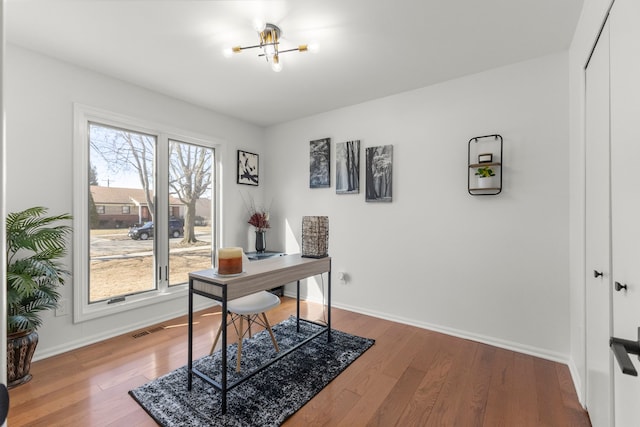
248,168
379,173
348,167
320,163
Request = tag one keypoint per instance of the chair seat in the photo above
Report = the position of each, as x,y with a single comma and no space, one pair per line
253,304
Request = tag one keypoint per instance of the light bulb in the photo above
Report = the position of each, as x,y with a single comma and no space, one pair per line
269,50
313,47
275,64
229,51
259,24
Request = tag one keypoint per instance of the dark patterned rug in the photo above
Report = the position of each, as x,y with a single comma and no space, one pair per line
267,398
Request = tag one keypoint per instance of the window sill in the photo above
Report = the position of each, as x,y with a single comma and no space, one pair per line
82,313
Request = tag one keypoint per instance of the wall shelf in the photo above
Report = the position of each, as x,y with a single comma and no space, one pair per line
488,148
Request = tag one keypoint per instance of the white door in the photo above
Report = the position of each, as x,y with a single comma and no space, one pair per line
625,195
598,283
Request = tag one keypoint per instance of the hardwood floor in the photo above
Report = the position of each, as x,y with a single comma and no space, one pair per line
410,377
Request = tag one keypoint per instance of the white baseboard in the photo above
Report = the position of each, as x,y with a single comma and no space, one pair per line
508,345
577,382
88,340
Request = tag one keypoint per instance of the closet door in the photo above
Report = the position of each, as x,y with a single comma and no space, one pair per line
599,360
625,195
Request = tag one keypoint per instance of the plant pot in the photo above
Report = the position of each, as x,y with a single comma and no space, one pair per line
20,349
486,182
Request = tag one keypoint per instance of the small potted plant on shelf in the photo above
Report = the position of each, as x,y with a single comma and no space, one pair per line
485,177
34,273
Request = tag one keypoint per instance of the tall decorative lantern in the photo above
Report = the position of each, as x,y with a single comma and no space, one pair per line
315,236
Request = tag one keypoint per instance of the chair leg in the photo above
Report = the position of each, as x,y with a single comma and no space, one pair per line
273,338
215,341
240,335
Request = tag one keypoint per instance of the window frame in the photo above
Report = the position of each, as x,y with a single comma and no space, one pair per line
83,115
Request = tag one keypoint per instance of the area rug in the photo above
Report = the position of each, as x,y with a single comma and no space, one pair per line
265,399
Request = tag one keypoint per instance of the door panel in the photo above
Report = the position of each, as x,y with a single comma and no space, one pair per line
625,194
598,289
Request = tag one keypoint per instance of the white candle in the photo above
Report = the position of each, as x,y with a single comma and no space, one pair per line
226,253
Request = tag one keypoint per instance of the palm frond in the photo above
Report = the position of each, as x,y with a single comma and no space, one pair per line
35,247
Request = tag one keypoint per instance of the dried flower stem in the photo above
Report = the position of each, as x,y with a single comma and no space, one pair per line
259,218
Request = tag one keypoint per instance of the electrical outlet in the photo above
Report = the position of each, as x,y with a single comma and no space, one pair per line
342,277
63,308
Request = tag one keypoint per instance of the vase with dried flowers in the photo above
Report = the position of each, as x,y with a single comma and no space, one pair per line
259,218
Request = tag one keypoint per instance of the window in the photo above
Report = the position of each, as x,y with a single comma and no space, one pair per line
149,215
117,267
190,189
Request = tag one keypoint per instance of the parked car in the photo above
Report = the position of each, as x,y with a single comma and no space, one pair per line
145,231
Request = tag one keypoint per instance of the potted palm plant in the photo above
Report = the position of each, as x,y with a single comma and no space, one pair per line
35,246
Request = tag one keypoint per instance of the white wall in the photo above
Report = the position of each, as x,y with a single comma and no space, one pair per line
39,98
489,268
591,20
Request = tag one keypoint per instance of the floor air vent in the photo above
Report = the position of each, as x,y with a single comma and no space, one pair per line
147,332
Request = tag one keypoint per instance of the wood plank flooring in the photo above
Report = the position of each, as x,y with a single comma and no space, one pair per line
410,377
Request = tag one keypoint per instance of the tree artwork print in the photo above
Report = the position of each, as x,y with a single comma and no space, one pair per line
348,167
379,167
319,166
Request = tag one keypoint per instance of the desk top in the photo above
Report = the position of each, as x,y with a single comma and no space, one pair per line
258,276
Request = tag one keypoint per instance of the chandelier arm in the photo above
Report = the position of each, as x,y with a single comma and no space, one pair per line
249,47
287,50
296,49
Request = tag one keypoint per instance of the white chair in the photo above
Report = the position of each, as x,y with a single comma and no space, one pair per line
251,308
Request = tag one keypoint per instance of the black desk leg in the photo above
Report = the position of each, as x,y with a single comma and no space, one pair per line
190,335
329,305
224,350
298,307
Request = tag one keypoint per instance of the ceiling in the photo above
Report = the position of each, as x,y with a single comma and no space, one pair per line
368,48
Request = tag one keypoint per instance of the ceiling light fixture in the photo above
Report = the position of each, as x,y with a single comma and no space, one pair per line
269,36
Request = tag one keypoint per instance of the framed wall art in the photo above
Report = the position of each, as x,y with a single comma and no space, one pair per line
319,163
247,168
348,167
379,168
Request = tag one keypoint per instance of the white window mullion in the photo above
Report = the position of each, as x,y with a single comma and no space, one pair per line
162,213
